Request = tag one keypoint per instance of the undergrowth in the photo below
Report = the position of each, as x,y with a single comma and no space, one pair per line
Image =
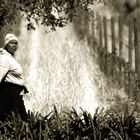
69,125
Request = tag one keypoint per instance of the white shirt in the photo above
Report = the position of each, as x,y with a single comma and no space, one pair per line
10,66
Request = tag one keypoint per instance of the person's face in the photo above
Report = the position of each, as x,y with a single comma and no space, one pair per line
12,46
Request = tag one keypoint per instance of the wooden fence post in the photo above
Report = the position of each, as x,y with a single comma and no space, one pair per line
137,56
120,36
97,32
130,44
121,68
105,33
130,32
100,32
87,17
113,51
137,49
90,23
100,43
113,35
93,24
105,44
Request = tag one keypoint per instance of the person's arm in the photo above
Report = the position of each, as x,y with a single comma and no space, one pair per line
4,66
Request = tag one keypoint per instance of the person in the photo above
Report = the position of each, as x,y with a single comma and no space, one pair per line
11,80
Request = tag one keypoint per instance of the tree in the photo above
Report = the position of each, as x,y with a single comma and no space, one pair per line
50,13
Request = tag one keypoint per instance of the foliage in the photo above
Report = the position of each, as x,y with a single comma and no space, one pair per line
127,8
69,125
47,12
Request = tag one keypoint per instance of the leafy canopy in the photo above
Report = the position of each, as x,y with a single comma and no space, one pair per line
50,13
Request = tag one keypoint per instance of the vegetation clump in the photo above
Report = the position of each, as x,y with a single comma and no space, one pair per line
52,13
69,125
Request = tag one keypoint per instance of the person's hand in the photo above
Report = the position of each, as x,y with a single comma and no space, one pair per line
25,90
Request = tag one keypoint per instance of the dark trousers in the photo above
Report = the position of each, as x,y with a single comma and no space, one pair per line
11,101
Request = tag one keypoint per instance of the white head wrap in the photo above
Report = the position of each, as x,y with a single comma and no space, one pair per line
10,37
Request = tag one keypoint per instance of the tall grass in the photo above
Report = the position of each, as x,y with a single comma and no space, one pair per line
58,70
63,73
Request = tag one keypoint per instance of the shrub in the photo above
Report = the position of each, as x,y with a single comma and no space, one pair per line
69,125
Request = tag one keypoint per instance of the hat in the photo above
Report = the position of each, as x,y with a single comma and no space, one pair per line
10,37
